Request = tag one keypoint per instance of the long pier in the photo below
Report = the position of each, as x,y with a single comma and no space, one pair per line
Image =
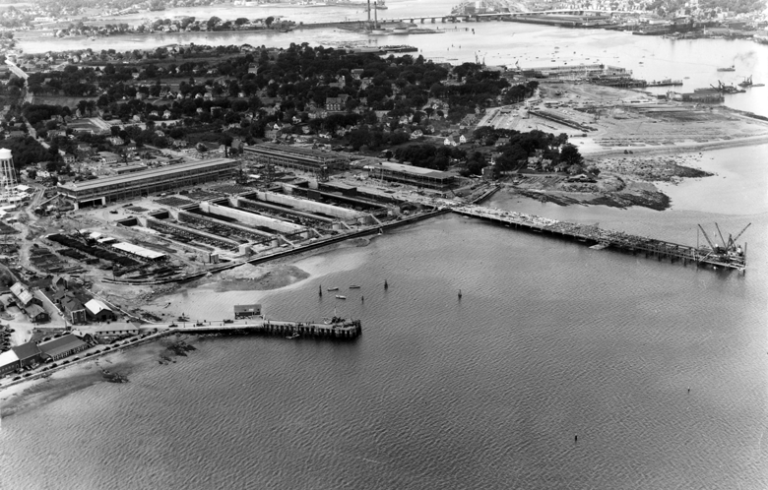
599,239
337,330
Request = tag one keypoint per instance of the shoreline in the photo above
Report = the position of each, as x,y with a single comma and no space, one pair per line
675,149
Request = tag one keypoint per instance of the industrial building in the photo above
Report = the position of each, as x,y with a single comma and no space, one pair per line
139,184
64,346
408,174
292,157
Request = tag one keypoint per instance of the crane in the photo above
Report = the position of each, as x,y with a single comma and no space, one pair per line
722,240
707,238
732,241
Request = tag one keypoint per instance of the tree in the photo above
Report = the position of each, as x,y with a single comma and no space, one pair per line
570,155
268,22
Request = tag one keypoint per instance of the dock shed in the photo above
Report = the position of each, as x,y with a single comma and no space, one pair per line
247,311
64,346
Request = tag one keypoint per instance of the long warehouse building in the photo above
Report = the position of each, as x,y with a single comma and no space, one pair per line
116,187
288,156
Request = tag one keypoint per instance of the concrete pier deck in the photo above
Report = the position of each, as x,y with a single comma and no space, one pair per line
599,239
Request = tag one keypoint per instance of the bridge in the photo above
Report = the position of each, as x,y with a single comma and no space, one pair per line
500,16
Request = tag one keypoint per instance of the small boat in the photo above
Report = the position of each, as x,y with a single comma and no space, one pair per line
333,289
294,335
354,286
728,68
338,296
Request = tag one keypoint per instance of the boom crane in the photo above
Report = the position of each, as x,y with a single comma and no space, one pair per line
722,240
732,241
707,238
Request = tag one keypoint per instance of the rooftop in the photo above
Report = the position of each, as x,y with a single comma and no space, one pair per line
307,152
63,344
137,250
410,169
8,357
27,350
146,174
96,306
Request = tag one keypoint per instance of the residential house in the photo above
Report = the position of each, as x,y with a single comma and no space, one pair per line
336,103
74,310
23,295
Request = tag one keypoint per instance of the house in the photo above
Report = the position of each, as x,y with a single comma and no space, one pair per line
23,296
109,158
247,311
336,103
339,83
75,310
98,311
116,141
64,346
36,313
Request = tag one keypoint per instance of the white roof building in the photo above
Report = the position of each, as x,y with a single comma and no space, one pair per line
8,357
96,306
137,250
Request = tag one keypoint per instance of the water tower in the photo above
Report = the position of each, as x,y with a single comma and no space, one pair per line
7,173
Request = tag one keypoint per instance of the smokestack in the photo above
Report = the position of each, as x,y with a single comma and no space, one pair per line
369,12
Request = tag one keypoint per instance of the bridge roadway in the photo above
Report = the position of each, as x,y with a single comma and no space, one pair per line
599,239
469,17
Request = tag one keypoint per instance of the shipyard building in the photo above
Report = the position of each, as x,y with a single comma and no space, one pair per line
291,157
117,187
408,174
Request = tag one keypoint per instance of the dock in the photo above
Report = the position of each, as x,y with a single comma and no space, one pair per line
597,238
332,330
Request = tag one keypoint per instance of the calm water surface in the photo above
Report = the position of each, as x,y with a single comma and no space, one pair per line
549,340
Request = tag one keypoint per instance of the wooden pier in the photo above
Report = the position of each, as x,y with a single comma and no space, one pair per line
333,330
598,239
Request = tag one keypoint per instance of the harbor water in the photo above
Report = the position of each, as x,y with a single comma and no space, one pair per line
550,340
